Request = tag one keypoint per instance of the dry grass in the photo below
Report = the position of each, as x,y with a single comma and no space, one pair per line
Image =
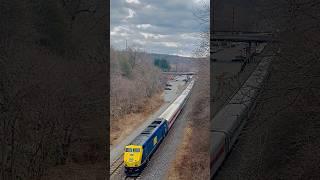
192,158
122,127
174,172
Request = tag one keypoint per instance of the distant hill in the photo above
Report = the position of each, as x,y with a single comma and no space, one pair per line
173,58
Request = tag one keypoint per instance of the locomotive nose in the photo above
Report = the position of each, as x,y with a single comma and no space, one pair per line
132,161
132,156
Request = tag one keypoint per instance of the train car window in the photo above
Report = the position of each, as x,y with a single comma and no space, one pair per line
128,149
136,150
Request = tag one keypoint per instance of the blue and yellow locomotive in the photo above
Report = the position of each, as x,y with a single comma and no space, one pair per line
138,152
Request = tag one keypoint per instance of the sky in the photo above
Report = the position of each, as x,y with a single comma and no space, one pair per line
156,26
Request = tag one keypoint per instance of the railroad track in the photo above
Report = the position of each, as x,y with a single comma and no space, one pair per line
115,172
116,165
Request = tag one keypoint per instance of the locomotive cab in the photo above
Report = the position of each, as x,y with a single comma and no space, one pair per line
132,158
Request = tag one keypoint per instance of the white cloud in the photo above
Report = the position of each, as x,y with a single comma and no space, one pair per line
146,35
123,34
133,1
131,13
143,26
159,36
152,36
197,1
120,31
148,6
170,44
138,41
115,31
189,35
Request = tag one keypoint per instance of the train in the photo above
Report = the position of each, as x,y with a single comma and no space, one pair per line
137,153
227,124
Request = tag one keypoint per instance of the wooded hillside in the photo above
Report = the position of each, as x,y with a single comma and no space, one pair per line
134,78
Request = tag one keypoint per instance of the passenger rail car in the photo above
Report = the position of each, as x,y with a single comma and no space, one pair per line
139,151
171,113
229,121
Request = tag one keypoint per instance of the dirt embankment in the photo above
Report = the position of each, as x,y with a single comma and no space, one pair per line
192,160
122,127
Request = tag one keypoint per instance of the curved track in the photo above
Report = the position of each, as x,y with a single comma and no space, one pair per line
161,159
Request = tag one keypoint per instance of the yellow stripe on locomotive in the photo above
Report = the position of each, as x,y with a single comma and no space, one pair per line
132,156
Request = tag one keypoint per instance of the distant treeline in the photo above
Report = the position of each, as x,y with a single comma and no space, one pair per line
162,64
